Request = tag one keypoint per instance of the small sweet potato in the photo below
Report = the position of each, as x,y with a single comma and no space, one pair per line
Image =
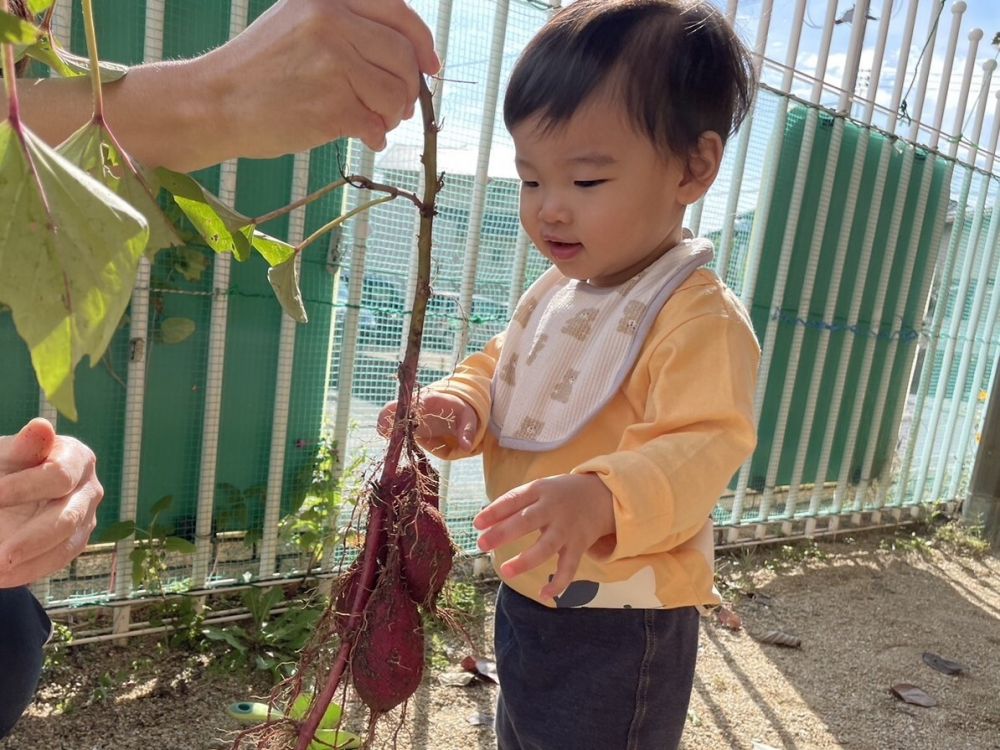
426,552
387,662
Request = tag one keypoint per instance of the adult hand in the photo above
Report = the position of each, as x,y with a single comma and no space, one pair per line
574,514
309,71
441,417
49,495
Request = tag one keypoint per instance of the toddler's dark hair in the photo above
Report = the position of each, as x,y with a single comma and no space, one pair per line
677,66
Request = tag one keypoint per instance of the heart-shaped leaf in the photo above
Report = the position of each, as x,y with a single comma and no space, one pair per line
116,532
177,544
69,250
93,150
222,228
284,280
176,330
273,250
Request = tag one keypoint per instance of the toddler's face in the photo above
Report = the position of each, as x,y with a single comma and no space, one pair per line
597,198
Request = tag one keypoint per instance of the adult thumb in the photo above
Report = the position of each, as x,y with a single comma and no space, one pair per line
27,448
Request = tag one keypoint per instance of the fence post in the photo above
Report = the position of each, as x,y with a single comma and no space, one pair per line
983,503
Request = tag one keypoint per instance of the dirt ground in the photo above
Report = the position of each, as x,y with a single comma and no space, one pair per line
865,611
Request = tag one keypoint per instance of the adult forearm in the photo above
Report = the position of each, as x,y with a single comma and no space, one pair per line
160,113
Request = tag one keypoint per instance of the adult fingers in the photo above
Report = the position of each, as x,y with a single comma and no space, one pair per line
67,463
53,537
27,448
401,17
386,49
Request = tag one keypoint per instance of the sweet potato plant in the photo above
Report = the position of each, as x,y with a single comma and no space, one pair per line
77,219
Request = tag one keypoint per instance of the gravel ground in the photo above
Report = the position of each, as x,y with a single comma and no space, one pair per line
865,611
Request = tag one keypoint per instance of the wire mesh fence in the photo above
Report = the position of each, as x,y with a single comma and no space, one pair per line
857,228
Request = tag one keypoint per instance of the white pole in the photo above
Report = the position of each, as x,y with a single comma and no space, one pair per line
478,202
857,168
283,385
971,329
879,309
944,280
740,156
941,312
215,361
135,385
759,229
349,345
517,274
819,235
788,241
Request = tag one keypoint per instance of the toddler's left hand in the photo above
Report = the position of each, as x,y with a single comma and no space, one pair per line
573,512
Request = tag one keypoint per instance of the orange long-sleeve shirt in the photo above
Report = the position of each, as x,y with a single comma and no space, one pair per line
666,446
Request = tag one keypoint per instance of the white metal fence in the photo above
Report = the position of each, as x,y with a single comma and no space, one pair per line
853,214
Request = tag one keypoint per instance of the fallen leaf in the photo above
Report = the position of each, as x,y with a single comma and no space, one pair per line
912,694
943,665
479,719
485,669
779,638
728,619
457,679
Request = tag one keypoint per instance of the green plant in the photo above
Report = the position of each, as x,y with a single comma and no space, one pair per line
58,647
153,544
965,539
914,542
270,643
315,528
78,219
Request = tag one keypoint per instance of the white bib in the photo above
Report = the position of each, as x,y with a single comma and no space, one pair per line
570,346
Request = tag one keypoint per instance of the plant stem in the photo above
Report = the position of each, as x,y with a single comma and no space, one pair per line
95,69
402,424
10,77
331,225
264,218
365,183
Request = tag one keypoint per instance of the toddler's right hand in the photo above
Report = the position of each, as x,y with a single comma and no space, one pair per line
442,418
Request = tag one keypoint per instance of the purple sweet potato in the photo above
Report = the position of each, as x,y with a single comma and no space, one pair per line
426,552
387,662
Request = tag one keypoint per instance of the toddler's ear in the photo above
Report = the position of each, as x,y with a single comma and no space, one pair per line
702,167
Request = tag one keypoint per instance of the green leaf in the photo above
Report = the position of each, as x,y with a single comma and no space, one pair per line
191,263
14,30
275,251
109,71
176,330
93,150
176,544
162,505
222,228
138,558
69,251
284,279
116,532
228,636
39,6
46,51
